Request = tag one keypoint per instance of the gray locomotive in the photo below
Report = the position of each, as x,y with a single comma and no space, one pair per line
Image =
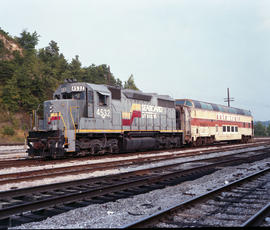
95,119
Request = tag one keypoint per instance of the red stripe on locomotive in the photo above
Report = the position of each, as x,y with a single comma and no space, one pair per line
128,122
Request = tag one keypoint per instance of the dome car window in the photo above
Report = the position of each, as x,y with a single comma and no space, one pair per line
188,103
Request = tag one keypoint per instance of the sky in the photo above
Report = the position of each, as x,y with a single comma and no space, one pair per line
183,48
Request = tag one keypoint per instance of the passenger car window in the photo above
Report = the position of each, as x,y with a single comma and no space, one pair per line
180,102
215,107
221,108
188,103
204,105
197,104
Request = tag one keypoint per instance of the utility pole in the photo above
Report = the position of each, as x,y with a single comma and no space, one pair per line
228,99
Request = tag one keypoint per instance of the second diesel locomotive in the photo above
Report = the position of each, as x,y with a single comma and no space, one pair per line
86,118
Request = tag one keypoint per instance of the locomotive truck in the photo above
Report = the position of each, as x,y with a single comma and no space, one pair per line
84,118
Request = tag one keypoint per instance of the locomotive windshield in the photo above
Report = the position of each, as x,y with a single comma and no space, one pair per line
74,95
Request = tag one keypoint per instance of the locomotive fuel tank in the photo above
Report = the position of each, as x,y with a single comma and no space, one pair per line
142,143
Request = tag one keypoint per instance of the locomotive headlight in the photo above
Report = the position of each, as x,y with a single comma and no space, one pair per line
51,108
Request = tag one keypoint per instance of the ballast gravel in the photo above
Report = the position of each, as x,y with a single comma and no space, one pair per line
125,211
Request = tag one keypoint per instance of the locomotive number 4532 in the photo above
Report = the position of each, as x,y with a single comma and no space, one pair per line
104,113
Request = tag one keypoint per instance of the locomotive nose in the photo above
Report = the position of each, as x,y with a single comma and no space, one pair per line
51,107
52,115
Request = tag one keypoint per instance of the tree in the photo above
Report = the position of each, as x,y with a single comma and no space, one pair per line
74,69
118,83
53,65
259,129
28,41
130,84
53,48
268,130
29,79
7,69
11,95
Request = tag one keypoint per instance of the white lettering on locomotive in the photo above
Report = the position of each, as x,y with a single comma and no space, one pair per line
150,111
103,113
151,108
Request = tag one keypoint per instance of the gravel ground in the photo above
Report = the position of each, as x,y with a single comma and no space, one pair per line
125,211
15,151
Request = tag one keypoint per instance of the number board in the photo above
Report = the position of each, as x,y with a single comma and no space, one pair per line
77,88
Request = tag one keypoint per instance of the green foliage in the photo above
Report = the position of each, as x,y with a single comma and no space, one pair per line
10,94
259,130
7,69
28,41
29,79
5,114
7,130
3,51
1,45
3,32
130,84
268,130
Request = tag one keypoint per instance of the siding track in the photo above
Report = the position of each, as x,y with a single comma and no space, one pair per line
237,204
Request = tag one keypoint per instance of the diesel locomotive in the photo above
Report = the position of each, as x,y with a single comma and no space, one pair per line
88,118
91,119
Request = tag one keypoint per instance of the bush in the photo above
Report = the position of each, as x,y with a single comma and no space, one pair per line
15,122
7,130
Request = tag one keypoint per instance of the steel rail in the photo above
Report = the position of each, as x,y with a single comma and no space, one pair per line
257,218
154,218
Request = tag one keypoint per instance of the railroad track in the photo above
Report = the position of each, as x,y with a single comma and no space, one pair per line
36,203
103,166
243,203
194,151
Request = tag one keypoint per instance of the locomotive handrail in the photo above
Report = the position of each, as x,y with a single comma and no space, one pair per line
73,107
65,127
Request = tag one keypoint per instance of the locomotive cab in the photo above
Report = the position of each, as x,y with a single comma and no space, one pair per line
76,108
